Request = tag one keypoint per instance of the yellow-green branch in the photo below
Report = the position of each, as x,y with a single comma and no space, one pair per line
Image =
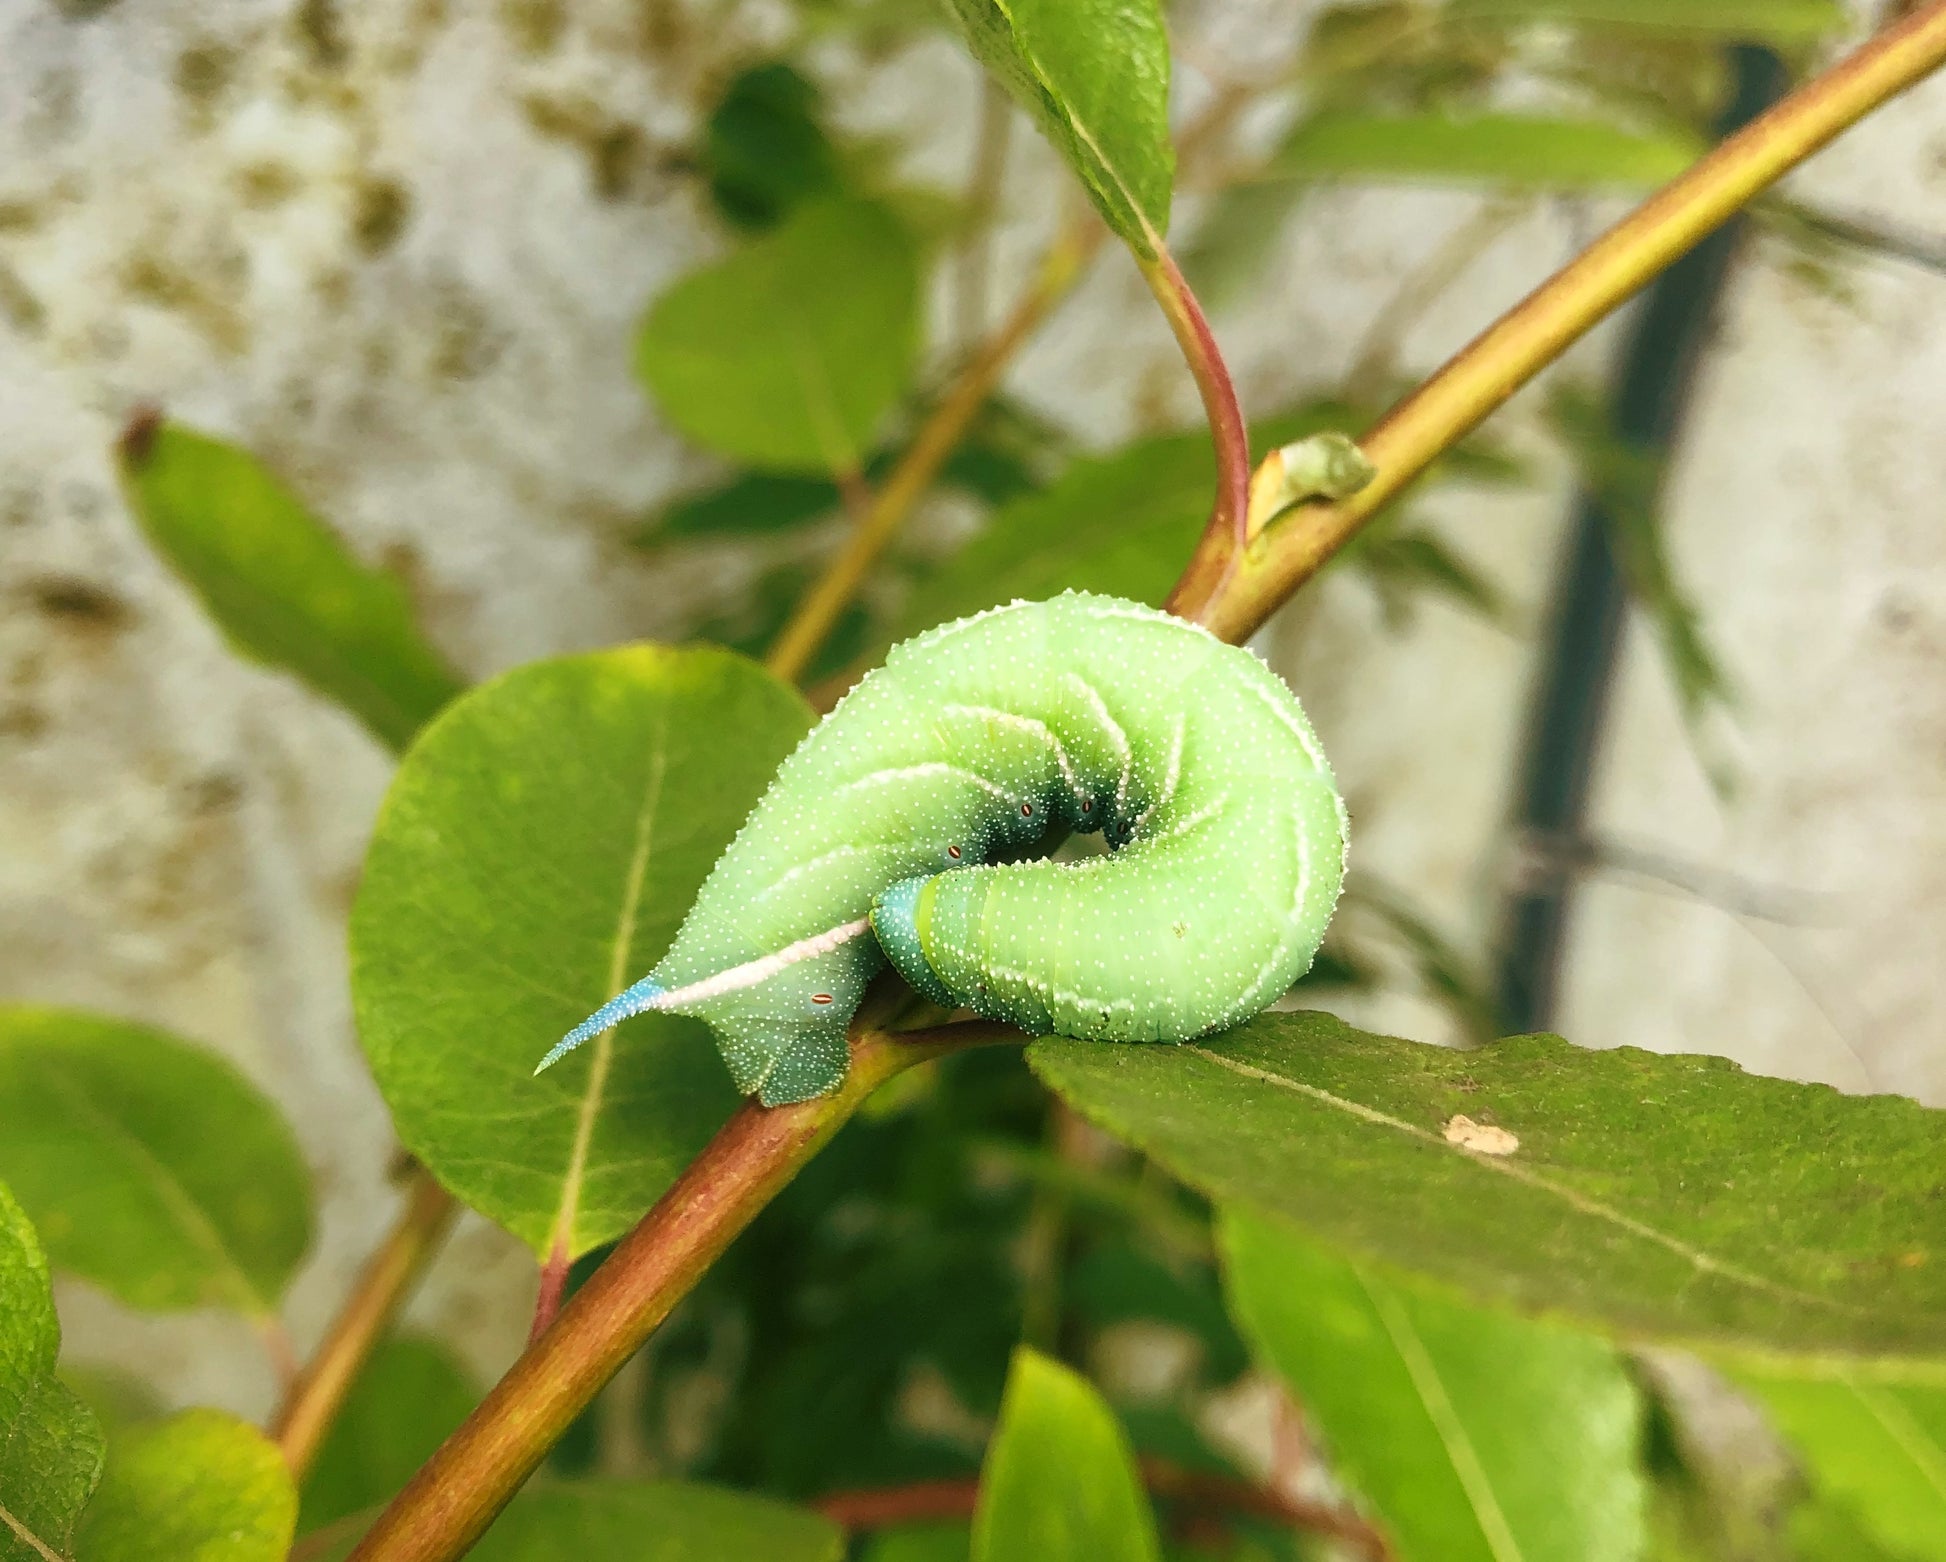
1540,328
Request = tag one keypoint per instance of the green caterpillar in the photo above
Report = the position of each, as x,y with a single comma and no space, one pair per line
881,837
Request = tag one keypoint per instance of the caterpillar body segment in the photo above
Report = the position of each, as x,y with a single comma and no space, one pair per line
893,832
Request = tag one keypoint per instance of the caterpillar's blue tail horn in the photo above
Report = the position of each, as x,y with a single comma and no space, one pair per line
639,997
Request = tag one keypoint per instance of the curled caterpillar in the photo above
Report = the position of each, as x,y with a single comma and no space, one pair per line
883,835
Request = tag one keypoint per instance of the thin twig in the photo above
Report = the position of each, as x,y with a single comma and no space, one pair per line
1231,505
883,1507
455,1496
854,492
818,613
319,1391
1540,328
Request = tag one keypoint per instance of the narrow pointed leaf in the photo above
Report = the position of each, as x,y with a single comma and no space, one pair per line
1673,1197
1872,1445
199,1487
50,1443
789,353
1497,149
1476,1435
540,846
1060,1483
151,1167
1094,74
281,586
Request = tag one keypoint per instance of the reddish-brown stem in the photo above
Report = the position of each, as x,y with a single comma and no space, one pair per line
883,1507
1224,535
450,1502
548,1294
318,1393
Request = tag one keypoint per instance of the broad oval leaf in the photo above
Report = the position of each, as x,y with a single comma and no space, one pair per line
1477,1435
1498,149
789,353
538,849
199,1487
1094,74
281,586
1874,1446
1059,1483
50,1443
152,1167
1663,1196
409,1397
1772,21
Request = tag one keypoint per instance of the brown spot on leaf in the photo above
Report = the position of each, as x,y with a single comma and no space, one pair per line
1480,1138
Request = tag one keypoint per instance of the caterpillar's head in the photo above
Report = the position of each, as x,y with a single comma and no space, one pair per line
899,918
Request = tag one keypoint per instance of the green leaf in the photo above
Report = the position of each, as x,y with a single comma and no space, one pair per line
152,1167
200,1487
790,353
411,1394
1872,1445
1094,74
1402,564
765,147
1497,149
1059,1483
1675,1197
119,1398
654,1522
1773,21
536,853
1825,1532
281,586
1477,1435
752,504
50,1444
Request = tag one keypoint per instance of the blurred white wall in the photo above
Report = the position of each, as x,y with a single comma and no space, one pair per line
399,249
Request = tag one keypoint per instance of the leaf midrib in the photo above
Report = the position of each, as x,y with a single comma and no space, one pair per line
1702,1261
561,1237
1438,1405
48,1553
1914,1441
195,1221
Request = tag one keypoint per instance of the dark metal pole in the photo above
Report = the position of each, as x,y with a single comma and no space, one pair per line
1580,651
